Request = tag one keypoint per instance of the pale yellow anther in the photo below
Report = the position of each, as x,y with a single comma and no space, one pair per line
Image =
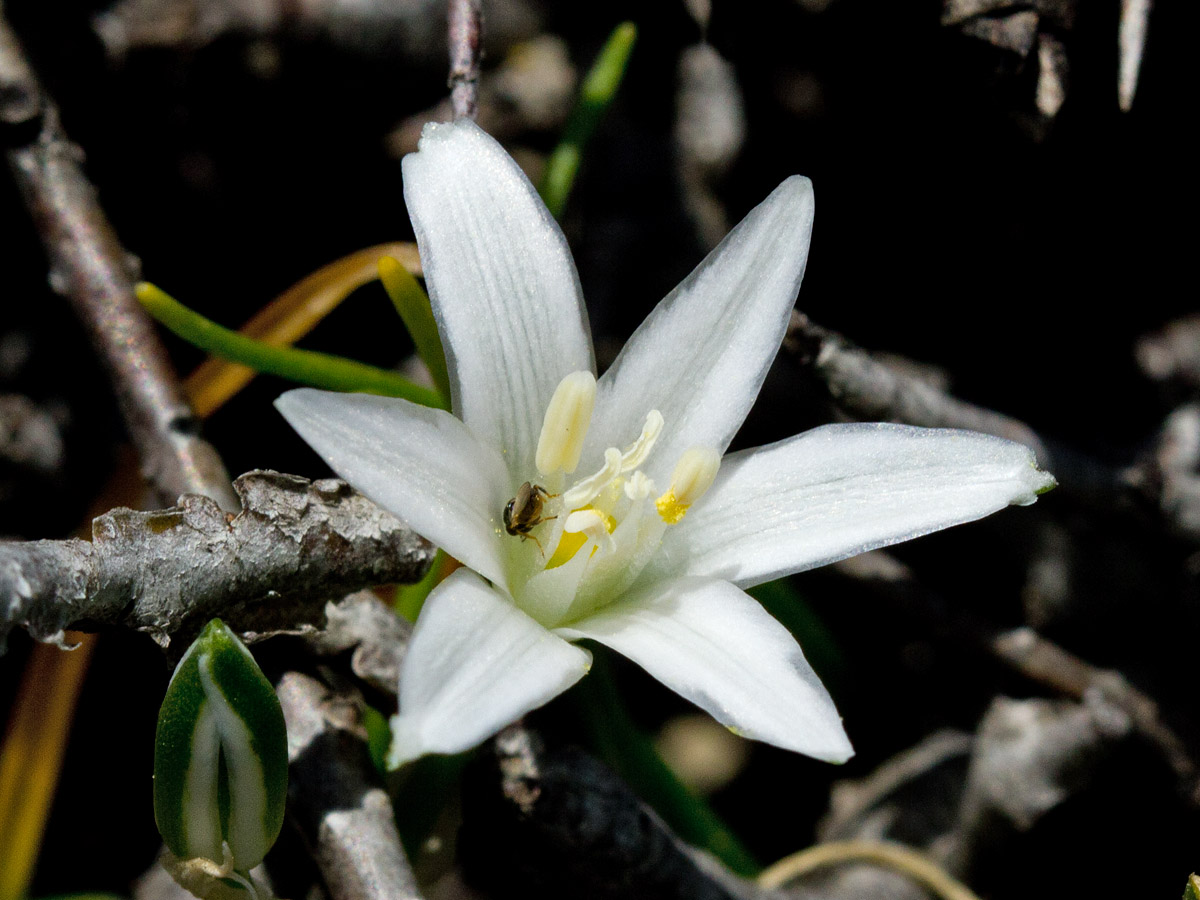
568,417
693,476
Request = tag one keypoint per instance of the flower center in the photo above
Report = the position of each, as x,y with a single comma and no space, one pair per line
593,536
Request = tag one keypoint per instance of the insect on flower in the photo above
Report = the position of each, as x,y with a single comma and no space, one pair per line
523,513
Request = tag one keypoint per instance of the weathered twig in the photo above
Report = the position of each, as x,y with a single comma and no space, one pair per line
464,30
1032,655
93,271
1131,43
30,440
1168,473
370,26
866,389
1029,757
377,636
295,545
558,823
1171,355
343,812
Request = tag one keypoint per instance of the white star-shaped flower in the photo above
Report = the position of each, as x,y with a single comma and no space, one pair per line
603,508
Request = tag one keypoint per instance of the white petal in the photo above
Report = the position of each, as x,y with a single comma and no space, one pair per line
710,643
702,354
475,664
840,490
502,282
422,465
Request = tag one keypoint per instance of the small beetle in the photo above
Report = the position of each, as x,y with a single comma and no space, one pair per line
523,513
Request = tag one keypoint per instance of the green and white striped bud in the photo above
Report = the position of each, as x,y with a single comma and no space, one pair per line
220,755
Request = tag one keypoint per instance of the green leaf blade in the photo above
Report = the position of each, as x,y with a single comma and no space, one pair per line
595,96
322,370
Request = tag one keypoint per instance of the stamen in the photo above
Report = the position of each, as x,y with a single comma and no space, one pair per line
637,452
693,476
587,490
579,527
593,523
568,416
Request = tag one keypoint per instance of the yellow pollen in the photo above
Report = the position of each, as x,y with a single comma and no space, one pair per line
670,509
693,476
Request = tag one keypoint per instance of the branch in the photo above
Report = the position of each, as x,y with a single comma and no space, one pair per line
868,390
464,29
295,545
92,270
558,823
343,812
1131,43
1033,656
385,29
1029,757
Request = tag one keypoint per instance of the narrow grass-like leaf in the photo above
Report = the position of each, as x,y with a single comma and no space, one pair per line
412,303
598,90
321,370
220,756
291,316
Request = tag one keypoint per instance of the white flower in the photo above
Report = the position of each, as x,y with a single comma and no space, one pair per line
626,526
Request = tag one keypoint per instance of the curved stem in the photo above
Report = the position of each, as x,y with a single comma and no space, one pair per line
304,366
900,859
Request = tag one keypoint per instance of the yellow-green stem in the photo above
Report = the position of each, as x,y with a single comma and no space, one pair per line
321,370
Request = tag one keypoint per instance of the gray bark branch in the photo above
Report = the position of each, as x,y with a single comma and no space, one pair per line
343,812
94,272
1034,656
296,545
868,390
464,26
555,822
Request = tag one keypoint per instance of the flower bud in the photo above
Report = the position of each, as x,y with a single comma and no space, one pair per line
220,755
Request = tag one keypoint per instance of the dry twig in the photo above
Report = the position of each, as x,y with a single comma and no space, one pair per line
1032,655
1131,44
557,823
867,389
343,812
89,266
295,545
464,29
